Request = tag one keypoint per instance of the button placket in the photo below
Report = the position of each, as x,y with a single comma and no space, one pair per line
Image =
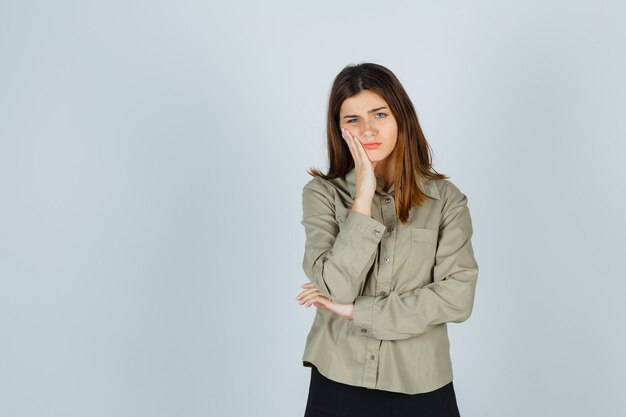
386,268
371,363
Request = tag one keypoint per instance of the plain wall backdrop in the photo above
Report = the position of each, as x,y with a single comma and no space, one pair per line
152,159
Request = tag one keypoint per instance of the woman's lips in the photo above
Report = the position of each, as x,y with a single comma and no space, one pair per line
372,145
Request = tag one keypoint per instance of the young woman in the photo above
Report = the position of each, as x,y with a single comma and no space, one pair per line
389,259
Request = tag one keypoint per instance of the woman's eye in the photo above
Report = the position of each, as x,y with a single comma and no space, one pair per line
384,114
351,120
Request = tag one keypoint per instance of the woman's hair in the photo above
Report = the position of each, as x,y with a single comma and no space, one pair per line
413,160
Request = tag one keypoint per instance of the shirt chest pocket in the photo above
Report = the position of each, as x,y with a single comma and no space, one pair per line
422,254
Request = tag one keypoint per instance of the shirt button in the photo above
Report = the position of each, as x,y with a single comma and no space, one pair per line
390,229
383,293
386,259
376,231
387,200
363,330
372,357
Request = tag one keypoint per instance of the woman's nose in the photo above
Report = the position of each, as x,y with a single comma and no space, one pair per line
368,130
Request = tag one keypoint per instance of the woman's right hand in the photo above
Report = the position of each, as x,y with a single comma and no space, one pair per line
364,167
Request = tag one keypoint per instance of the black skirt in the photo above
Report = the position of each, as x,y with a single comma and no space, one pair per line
328,398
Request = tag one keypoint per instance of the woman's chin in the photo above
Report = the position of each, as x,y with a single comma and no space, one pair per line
375,156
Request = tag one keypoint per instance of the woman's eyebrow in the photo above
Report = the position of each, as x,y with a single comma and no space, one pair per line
369,111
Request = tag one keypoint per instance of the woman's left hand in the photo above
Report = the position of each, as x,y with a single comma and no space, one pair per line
312,296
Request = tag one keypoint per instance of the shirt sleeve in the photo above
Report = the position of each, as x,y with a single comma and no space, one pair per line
449,298
337,255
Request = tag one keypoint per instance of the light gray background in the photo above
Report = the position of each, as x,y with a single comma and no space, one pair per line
152,157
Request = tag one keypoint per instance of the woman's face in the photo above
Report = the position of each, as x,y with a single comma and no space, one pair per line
368,117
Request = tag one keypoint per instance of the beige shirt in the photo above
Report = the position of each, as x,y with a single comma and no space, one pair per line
406,281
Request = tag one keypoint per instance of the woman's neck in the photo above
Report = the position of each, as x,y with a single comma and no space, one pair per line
385,171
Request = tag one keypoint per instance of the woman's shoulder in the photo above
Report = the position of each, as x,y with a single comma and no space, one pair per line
447,188
450,194
317,184
328,187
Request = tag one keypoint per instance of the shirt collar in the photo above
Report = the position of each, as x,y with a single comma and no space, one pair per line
427,186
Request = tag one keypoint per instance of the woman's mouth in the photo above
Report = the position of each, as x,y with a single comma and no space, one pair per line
372,145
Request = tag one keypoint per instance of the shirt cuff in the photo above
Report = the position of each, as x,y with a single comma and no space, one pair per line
359,222
363,313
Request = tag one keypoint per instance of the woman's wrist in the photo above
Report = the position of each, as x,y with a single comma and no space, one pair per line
363,205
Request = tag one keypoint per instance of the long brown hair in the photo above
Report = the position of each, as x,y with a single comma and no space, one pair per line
413,159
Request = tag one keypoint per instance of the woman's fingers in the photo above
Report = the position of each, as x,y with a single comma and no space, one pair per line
306,285
309,287
318,298
358,151
362,154
353,145
345,137
312,296
365,176
308,295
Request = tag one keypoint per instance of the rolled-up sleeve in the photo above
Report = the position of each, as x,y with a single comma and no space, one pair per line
449,298
337,257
